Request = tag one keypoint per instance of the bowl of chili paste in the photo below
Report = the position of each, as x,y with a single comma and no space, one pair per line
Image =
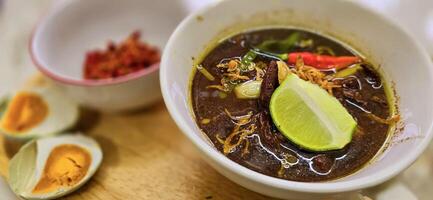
105,54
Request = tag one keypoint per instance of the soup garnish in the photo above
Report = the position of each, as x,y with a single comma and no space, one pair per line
291,104
322,123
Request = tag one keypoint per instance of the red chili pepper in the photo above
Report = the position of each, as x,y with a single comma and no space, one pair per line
323,61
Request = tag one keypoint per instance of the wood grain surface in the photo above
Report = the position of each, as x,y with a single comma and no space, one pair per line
145,157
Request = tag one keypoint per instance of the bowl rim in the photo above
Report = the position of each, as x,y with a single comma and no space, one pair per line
287,185
42,24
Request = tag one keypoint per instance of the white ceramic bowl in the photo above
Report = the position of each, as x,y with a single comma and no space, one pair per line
73,27
402,60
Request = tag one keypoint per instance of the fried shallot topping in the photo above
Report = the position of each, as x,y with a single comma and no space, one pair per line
224,87
314,75
259,73
233,70
391,120
239,132
233,75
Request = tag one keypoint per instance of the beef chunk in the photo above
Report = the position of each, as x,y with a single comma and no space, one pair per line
269,84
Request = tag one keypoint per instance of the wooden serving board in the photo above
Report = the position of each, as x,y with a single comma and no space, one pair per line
145,157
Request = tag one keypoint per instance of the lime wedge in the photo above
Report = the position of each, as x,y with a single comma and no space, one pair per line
310,117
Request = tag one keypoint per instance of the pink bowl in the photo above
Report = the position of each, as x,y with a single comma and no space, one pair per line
62,38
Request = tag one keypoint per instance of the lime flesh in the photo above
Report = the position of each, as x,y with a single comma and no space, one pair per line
309,116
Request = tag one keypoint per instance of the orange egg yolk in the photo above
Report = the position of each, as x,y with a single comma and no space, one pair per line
66,166
25,111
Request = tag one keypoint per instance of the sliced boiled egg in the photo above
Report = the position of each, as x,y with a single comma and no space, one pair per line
37,112
50,168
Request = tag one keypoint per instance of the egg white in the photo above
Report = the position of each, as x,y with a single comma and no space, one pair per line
62,114
43,148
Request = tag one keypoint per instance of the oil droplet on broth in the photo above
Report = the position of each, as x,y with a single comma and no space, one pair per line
66,166
25,111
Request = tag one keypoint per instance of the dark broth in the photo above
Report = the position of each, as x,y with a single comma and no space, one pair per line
266,150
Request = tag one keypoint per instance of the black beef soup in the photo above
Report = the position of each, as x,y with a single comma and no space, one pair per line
240,87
